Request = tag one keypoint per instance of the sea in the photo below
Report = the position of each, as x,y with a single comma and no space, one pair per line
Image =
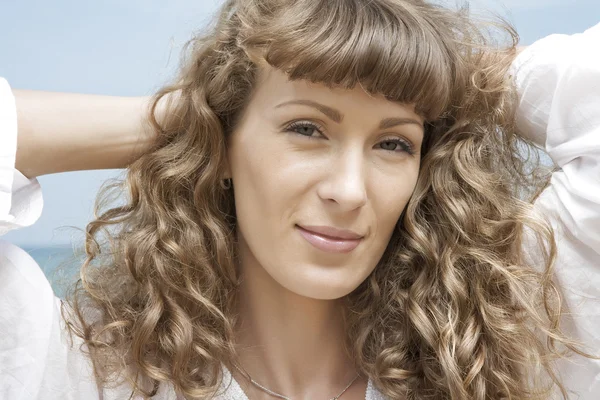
60,264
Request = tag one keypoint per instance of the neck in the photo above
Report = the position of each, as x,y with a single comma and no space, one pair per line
291,344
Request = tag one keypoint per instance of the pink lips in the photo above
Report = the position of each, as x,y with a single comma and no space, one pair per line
330,239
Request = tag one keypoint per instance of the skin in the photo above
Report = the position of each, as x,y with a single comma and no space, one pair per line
348,174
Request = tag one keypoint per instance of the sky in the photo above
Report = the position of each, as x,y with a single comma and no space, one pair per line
131,47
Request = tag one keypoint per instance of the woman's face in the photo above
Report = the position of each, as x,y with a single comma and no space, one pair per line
321,177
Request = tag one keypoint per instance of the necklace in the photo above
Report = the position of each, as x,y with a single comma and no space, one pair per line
274,394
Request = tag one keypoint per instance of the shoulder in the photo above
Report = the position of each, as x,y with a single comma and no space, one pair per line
373,393
40,360
17,266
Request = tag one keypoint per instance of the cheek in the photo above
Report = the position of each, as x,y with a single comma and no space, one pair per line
390,197
252,173
267,185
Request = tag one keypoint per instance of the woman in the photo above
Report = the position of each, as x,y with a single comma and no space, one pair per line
333,201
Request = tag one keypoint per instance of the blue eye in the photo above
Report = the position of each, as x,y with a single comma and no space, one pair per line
304,128
396,145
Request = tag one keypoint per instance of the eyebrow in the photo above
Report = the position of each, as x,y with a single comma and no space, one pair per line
337,116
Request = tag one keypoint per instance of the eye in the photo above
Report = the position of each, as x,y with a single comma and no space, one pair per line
396,145
305,128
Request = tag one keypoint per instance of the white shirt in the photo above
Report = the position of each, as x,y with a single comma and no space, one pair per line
558,79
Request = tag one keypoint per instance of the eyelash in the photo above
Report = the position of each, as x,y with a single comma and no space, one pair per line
405,145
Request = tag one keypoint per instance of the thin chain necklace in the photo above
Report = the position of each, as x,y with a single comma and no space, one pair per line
274,394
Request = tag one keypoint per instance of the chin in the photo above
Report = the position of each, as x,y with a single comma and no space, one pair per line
321,288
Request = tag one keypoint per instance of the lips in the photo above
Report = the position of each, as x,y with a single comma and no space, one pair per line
330,239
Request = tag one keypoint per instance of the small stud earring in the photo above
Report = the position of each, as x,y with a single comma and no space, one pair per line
226,184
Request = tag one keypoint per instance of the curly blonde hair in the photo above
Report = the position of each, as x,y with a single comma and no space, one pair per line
453,310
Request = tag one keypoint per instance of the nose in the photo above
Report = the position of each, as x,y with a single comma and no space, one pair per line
345,182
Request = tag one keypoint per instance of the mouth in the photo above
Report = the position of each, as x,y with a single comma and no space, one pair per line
329,239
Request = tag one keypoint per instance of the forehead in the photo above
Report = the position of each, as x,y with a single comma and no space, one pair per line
273,87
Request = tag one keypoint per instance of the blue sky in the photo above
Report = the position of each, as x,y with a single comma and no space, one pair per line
129,47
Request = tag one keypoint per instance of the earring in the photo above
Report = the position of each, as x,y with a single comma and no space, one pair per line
226,183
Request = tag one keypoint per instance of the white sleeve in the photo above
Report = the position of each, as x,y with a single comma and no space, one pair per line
558,80
36,359
21,200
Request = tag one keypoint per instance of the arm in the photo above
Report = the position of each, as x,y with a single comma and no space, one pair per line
37,356
558,80
59,132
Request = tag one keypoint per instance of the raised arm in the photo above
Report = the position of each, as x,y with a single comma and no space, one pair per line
558,79
59,132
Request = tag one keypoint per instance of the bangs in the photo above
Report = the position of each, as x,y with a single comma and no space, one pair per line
384,46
